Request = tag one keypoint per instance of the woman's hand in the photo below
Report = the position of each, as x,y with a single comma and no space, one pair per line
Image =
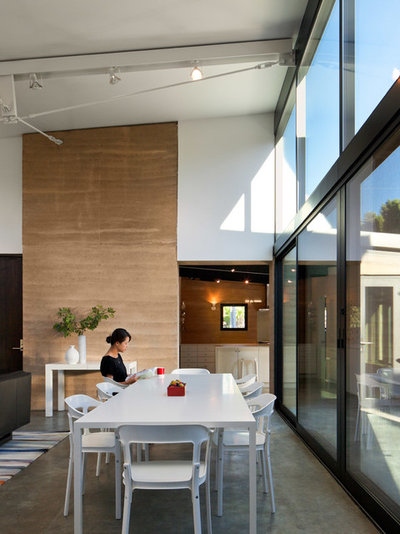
131,380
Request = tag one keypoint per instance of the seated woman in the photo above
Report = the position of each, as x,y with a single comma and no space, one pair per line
112,364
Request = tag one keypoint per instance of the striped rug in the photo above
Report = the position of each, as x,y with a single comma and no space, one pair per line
23,449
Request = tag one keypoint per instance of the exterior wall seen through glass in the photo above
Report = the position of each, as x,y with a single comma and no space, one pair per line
286,181
373,319
317,334
318,105
289,331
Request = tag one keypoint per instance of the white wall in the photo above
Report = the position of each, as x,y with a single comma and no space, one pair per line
226,189
11,195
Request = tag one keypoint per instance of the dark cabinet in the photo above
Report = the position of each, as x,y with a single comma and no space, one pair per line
15,402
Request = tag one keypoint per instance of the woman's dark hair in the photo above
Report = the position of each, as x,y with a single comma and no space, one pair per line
120,334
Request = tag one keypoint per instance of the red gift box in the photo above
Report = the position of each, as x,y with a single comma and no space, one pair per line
176,391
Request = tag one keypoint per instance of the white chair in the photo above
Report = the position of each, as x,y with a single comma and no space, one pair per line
79,405
106,390
191,371
249,365
246,380
371,395
262,408
166,474
251,391
114,383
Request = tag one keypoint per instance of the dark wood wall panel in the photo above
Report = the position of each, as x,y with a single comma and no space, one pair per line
202,325
99,227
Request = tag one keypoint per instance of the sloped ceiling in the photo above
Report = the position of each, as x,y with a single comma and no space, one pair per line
91,36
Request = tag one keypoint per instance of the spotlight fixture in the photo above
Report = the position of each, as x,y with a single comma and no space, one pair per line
246,281
218,281
34,82
114,78
232,270
196,73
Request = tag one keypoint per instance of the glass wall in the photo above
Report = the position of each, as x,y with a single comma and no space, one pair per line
289,325
373,319
318,102
317,333
376,52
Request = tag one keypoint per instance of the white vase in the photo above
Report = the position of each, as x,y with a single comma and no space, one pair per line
82,348
72,355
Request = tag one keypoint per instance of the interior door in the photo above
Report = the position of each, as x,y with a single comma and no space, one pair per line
10,313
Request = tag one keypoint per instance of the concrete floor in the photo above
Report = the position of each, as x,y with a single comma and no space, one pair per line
308,499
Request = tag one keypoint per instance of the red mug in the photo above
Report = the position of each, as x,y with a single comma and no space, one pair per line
160,370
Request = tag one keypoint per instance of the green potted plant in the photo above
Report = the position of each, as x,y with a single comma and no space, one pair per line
68,324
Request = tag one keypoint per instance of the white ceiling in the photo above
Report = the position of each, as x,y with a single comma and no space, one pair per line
33,30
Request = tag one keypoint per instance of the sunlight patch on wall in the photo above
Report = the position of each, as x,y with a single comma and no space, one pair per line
235,221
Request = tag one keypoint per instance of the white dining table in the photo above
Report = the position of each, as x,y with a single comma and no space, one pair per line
211,400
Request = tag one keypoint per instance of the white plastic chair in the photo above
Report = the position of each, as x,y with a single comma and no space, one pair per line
371,395
246,380
166,474
190,371
262,408
106,390
245,365
251,391
114,383
79,405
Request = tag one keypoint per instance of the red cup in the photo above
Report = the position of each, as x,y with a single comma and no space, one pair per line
160,370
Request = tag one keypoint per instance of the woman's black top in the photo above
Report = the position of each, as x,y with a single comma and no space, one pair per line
115,367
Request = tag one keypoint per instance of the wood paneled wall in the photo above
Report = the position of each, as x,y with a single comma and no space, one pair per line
202,325
99,227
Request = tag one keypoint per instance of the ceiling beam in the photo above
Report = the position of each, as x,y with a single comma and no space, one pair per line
162,58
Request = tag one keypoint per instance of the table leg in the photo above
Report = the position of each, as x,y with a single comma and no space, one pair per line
252,480
220,472
49,391
78,527
61,392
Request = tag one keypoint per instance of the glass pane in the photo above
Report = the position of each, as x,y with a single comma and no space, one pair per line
377,54
373,311
286,188
318,102
317,334
289,331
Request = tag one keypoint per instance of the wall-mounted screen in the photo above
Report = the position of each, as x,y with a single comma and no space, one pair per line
233,316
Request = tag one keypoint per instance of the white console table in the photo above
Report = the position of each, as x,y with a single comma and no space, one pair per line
60,368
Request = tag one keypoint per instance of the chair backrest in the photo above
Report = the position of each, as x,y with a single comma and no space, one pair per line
246,380
79,405
195,434
111,381
106,390
262,407
246,365
369,387
254,390
190,371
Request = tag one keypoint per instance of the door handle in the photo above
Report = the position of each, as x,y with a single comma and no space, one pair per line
21,346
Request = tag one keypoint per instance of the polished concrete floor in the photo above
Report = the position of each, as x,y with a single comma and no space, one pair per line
308,499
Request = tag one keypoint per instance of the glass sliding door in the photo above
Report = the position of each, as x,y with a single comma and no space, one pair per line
373,320
289,331
317,332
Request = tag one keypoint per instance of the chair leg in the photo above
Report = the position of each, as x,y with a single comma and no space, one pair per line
68,489
357,423
208,505
271,484
264,470
220,482
196,511
127,510
98,464
117,482
107,457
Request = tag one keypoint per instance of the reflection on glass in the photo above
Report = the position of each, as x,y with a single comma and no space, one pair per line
377,56
317,334
289,331
318,102
373,335
286,188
